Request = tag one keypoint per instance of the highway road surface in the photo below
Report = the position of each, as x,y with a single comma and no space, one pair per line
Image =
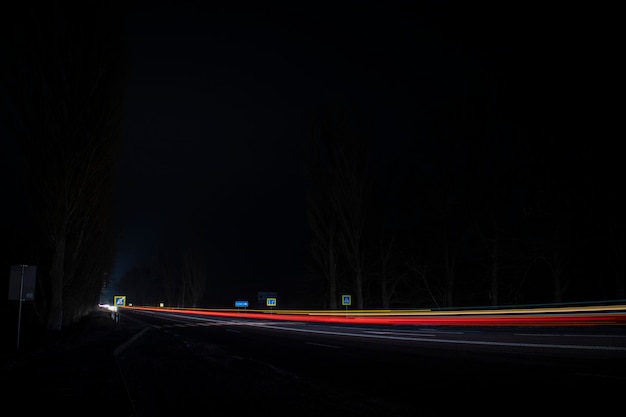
293,366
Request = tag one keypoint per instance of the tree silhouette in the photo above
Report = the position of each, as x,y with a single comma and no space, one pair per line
66,85
320,216
338,200
195,275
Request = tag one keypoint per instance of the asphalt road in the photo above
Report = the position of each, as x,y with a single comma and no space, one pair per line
179,365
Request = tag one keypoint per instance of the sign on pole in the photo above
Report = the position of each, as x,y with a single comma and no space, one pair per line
22,287
346,300
22,282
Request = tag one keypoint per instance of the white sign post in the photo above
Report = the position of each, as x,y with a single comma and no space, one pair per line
346,300
22,287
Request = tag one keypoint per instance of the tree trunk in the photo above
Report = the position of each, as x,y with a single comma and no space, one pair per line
494,272
332,271
449,263
55,316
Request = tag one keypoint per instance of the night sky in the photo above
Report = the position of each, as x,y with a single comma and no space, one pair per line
218,107
220,96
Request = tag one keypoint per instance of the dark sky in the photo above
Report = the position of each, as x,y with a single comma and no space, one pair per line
218,106
220,95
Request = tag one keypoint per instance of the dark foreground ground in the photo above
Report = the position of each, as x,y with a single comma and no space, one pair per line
75,374
101,367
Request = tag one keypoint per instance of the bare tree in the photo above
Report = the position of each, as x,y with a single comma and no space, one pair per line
388,280
619,253
421,270
168,271
339,169
67,87
195,274
321,218
324,244
349,202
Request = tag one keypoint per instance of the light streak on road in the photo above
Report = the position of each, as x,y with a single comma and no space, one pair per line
541,316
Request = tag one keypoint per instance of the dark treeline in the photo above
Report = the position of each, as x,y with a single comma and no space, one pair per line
174,277
489,208
480,209
64,82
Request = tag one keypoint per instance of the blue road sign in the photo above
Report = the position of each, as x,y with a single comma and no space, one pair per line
346,300
241,303
270,301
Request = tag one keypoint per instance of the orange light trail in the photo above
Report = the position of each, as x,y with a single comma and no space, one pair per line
557,316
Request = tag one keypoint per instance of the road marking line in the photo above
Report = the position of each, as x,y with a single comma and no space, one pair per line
324,345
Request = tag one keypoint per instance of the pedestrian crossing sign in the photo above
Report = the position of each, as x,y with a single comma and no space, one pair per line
119,300
346,300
